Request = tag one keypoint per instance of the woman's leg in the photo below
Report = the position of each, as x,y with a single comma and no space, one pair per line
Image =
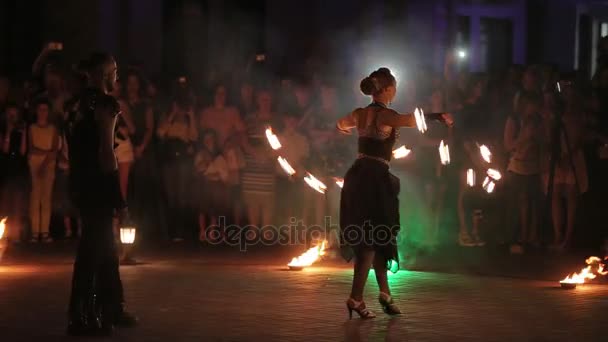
268,206
363,262
202,227
535,202
462,215
46,201
170,190
524,211
572,204
439,201
381,276
123,173
556,215
67,224
35,196
253,210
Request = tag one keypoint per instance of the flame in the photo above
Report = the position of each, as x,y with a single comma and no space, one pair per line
273,140
310,256
420,120
286,167
488,185
314,183
494,174
485,153
339,182
2,227
444,153
594,267
401,152
471,177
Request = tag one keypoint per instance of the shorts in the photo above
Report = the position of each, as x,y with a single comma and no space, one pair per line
124,152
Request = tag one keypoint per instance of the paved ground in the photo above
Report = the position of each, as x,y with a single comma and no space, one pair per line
240,298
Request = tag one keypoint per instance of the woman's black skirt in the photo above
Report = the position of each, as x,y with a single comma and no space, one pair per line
369,210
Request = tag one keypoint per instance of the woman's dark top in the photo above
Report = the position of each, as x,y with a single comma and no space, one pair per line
377,141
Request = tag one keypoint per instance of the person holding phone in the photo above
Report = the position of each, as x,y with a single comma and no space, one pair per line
177,133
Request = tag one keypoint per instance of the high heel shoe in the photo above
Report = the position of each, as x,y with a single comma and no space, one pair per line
388,305
359,308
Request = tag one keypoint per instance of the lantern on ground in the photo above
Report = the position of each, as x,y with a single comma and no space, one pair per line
127,240
3,237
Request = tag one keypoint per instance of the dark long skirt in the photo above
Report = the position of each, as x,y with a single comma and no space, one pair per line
369,210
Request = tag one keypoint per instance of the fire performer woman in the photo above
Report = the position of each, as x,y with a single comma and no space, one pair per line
369,208
96,302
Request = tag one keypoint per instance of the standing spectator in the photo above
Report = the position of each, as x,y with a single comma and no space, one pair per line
296,150
144,181
433,176
43,147
124,147
212,176
177,133
246,100
304,100
471,114
530,85
56,93
14,167
61,193
569,183
222,118
230,129
259,175
523,138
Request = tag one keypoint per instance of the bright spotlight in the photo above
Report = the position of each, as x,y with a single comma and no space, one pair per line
461,53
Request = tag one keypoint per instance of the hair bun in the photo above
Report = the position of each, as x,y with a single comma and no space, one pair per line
369,86
384,70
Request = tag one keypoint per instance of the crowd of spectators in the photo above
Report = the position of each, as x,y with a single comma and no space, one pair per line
192,157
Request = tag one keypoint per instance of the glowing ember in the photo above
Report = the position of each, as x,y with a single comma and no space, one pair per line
494,174
314,183
488,185
594,267
485,153
309,257
2,227
471,177
401,152
285,166
273,140
444,153
339,182
420,120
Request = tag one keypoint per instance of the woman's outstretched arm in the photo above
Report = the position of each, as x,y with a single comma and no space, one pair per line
348,122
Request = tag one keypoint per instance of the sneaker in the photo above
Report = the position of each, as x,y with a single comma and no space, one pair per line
178,240
34,240
478,241
46,239
465,240
517,249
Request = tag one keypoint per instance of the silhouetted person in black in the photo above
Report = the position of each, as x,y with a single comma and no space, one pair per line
96,303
